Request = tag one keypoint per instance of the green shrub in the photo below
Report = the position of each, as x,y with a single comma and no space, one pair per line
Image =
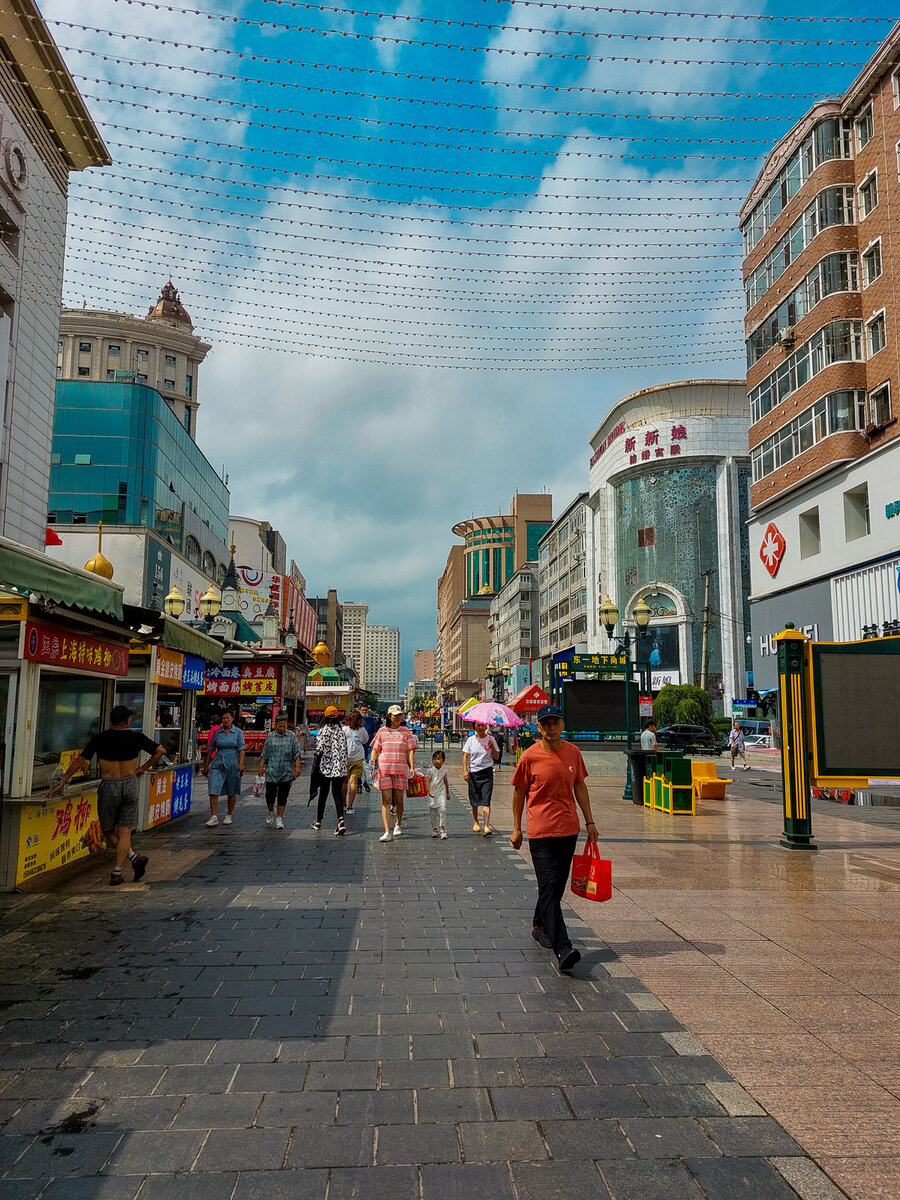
683,704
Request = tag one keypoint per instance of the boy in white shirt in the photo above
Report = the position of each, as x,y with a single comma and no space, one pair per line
479,754
438,794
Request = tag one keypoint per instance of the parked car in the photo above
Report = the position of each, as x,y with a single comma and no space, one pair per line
761,741
697,738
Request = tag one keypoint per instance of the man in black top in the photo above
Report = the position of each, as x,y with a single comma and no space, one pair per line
118,750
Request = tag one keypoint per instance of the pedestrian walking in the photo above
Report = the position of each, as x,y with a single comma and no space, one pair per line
393,755
370,724
500,739
479,752
332,746
648,737
118,749
224,766
438,794
280,764
357,738
546,785
736,745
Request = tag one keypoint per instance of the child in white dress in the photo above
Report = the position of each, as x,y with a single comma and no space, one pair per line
438,794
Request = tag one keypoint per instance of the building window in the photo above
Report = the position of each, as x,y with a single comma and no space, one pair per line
864,128
839,341
170,384
114,351
871,261
895,88
141,378
83,371
188,384
647,536
84,347
880,405
868,195
110,373
170,360
835,273
810,536
837,412
875,335
82,460
856,512
143,355
187,419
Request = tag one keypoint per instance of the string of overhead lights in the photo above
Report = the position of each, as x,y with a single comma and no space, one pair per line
508,51
420,19
450,260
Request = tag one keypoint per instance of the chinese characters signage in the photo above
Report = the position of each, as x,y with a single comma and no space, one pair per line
649,447
168,667
592,662
243,679
55,833
60,648
601,449
170,795
192,673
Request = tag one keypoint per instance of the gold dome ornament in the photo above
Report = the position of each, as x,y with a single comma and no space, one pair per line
99,564
322,655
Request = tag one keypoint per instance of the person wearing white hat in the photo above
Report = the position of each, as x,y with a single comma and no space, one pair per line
393,755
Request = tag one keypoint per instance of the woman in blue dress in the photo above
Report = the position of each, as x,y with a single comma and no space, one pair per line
224,771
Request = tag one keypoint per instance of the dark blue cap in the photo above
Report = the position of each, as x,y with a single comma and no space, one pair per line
549,710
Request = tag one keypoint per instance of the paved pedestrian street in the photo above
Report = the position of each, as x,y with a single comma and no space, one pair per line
299,1015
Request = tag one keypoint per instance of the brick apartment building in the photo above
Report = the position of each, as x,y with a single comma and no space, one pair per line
821,229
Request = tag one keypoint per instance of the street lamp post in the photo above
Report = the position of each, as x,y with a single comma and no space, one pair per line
609,617
498,677
210,606
174,603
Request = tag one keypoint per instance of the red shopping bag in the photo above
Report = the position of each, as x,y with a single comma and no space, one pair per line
591,874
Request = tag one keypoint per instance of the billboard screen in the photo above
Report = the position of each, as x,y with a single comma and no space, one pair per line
856,708
598,705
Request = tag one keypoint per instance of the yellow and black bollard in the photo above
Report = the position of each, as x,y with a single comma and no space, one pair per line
794,748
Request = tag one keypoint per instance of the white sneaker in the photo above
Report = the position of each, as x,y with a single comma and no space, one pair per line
434,833
226,820
397,831
212,822
279,824
746,767
270,821
386,837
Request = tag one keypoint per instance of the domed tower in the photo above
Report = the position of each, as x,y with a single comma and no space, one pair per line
322,655
169,308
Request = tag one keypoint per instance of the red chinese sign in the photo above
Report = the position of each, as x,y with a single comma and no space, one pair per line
61,648
652,449
772,549
243,679
601,449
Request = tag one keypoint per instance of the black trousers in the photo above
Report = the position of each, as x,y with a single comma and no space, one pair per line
337,793
277,793
481,787
552,861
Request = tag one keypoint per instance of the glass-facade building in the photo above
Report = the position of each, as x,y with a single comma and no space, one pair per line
120,455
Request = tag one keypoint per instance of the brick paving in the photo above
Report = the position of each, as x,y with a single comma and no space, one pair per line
299,1015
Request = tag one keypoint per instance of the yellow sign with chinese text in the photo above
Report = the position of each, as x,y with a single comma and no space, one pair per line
53,833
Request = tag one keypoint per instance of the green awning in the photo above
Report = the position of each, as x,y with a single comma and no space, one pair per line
178,636
27,571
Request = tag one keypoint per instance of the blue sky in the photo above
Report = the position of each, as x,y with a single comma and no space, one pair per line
427,270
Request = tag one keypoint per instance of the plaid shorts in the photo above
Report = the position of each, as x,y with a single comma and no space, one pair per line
117,803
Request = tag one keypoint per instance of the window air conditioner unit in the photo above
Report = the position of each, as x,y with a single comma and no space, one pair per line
786,336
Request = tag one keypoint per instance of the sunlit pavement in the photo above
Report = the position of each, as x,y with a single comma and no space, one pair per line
784,964
294,1014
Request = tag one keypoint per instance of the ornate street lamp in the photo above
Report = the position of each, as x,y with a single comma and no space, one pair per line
290,637
174,603
609,617
210,605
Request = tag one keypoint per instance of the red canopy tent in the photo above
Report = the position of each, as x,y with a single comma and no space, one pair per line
531,699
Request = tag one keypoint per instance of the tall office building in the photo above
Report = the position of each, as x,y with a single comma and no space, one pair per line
47,133
382,649
330,624
354,640
423,665
823,330
494,549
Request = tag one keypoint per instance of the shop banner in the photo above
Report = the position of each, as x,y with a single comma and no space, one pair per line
61,648
168,667
170,795
192,674
53,834
243,679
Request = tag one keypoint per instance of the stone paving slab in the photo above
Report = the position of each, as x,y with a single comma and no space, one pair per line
304,1016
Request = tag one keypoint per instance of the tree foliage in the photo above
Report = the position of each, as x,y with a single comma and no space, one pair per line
683,704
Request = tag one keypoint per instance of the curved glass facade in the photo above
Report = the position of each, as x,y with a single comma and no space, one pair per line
121,456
